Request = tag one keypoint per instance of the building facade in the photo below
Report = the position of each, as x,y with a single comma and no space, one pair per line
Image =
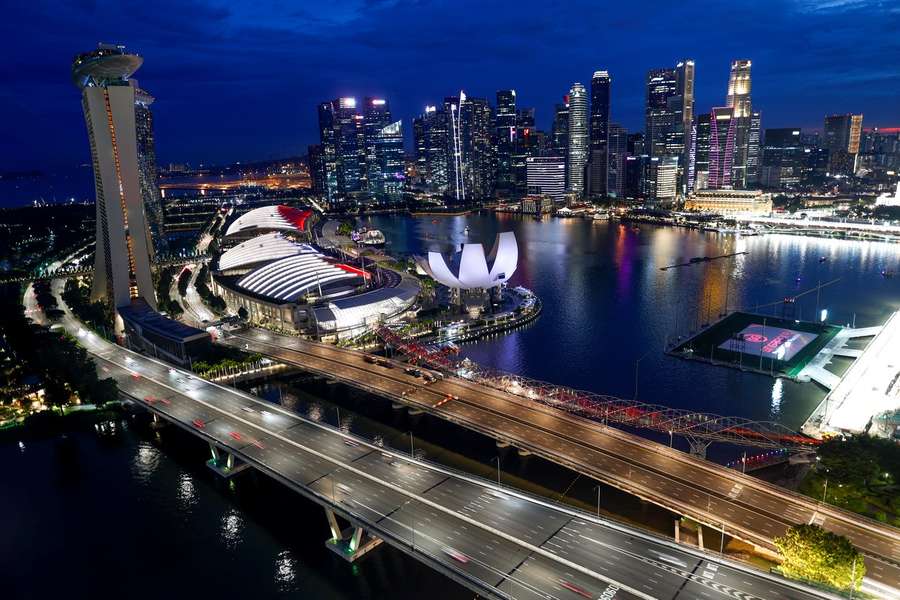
578,139
547,176
618,150
596,185
147,170
842,134
124,246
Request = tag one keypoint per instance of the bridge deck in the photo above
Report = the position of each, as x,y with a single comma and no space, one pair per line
757,513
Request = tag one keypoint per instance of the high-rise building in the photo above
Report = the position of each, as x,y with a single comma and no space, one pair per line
316,158
578,139
635,165
547,175
387,174
456,171
722,134
669,114
618,150
684,105
661,179
343,140
738,99
635,144
478,148
327,153
525,146
701,143
505,136
432,140
147,169
784,158
376,116
662,87
560,131
123,249
841,138
753,149
598,161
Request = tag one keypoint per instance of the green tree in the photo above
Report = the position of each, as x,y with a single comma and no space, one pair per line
814,554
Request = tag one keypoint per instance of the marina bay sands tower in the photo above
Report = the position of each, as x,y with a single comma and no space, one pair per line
124,245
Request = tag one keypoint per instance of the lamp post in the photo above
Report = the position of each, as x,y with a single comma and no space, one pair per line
670,438
597,487
497,458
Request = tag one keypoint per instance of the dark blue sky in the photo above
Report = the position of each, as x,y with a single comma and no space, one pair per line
241,82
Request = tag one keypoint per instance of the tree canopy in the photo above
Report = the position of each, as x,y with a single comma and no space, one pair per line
814,554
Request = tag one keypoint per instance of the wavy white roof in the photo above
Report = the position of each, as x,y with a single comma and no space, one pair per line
472,269
284,218
290,278
263,248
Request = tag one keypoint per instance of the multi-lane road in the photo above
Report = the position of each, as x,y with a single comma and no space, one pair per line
498,542
747,508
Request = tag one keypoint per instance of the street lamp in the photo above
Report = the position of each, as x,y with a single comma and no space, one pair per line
597,487
670,438
497,458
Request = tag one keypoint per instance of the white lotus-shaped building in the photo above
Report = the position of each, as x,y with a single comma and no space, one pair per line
470,268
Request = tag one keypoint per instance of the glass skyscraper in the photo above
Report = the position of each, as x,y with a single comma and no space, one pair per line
578,139
596,183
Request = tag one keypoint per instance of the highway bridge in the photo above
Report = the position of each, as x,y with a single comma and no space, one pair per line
744,507
498,542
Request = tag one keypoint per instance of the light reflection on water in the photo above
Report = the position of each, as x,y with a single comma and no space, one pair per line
232,528
145,462
285,570
187,494
777,393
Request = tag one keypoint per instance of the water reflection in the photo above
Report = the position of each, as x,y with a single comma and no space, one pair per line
145,462
187,494
285,571
232,527
777,394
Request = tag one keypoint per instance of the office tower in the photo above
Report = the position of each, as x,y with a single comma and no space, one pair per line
147,170
722,134
618,150
525,146
376,116
432,143
505,135
327,153
753,149
342,135
784,158
662,86
123,249
456,170
684,80
578,139
701,152
387,173
547,175
661,179
478,147
841,138
738,99
635,165
560,131
596,182
669,114
316,160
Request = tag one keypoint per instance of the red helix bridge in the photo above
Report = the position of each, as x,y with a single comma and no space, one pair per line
698,428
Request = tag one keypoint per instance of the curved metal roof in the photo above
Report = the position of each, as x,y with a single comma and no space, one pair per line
470,268
280,217
263,248
290,278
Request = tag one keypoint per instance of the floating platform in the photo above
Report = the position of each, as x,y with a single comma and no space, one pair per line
763,344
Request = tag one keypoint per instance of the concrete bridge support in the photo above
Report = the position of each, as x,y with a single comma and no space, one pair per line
223,463
350,543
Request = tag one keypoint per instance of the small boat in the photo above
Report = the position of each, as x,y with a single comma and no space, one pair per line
887,274
466,230
823,259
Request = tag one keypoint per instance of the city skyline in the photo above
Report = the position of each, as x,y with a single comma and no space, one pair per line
362,51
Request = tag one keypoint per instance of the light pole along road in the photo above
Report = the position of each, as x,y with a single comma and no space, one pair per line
499,542
747,508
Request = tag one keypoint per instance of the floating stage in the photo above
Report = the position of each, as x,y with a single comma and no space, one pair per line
764,344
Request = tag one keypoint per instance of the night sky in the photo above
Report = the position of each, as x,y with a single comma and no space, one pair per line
241,83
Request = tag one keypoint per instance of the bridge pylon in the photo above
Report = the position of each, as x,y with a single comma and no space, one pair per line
350,543
223,463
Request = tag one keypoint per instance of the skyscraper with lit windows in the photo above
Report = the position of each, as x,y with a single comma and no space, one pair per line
124,246
578,139
598,161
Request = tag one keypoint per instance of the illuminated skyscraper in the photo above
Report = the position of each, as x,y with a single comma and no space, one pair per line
432,141
478,148
505,136
841,139
123,250
722,134
738,99
560,133
147,170
618,150
596,183
669,115
578,139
